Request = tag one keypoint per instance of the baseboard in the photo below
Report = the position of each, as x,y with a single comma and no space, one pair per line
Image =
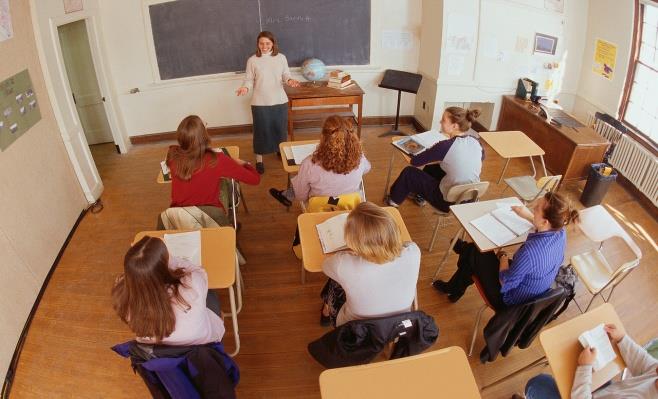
11,372
247,129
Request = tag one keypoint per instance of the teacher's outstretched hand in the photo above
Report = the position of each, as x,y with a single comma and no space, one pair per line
242,91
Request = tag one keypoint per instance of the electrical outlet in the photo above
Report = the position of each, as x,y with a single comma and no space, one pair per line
424,104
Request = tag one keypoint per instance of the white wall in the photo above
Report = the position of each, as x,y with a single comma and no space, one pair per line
160,106
40,195
490,64
610,20
429,59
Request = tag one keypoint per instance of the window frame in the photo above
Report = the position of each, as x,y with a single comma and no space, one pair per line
636,42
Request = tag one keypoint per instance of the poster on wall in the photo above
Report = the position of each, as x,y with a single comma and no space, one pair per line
554,5
72,6
460,34
19,109
605,58
6,31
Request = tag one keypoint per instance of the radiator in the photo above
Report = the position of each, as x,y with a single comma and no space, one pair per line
606,130
638,165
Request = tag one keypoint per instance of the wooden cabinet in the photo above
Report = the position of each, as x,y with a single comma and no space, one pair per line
569,151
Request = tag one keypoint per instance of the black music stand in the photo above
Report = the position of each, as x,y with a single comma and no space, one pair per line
400,81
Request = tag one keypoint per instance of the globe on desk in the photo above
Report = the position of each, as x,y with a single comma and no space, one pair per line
313,69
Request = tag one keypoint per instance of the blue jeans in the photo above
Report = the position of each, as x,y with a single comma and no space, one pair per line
542,387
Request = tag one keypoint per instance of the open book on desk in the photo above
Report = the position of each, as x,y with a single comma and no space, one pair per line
332,233
598,338
413,145
502,225
297,153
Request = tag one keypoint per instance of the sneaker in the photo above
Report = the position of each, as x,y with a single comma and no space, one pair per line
260,168
388,201
419,200
325,321
459,246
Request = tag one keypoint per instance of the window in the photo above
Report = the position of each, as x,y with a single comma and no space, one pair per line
640,104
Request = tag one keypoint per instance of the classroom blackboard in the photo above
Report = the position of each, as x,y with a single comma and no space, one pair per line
201,37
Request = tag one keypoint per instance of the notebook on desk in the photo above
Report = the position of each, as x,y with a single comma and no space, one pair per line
295,154
332,233
502,225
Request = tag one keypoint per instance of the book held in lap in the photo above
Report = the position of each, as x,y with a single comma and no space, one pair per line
418,143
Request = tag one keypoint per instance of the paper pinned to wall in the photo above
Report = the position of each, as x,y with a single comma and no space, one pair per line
455,64
521,44
6,30
72,6
605,58
397,39
460,34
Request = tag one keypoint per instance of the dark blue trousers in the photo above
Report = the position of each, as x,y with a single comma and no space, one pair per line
424,182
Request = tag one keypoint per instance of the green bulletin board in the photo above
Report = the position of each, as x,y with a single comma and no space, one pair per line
19,110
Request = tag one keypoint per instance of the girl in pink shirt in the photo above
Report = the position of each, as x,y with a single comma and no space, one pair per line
165,300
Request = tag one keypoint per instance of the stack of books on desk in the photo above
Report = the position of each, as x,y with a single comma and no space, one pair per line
339,79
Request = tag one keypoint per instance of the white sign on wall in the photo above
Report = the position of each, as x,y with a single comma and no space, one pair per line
6,31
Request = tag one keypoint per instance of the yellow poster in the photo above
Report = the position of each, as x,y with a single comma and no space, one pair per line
605,58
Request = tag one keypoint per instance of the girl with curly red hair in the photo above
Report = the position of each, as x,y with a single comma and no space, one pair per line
335,168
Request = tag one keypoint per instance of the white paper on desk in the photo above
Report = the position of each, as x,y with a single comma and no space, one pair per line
300,152
597,338
164,167
288,153
494,230
332,233
185,245
512,221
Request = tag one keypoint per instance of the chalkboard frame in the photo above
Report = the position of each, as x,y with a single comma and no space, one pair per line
221,76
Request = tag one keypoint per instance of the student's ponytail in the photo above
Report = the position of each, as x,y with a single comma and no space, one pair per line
462,117
559,211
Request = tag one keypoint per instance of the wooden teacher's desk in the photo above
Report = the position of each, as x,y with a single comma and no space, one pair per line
569,151
317,94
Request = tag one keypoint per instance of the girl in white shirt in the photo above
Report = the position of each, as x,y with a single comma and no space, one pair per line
266,72
377,277
165,300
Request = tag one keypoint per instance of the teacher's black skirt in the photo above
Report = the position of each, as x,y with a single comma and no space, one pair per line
270,127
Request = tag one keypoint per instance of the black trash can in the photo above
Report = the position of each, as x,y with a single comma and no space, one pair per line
597,184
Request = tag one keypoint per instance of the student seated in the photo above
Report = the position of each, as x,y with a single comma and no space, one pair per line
643,382
506,281
336,167
165,300
460,160
197,171
376,277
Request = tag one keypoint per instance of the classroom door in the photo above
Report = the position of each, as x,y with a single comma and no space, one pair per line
83,82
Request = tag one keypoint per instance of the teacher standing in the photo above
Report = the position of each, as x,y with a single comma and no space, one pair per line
266,72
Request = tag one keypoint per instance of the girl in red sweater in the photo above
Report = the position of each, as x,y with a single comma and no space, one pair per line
197,170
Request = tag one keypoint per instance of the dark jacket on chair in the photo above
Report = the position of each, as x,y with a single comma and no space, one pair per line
519,325
185,372
359,341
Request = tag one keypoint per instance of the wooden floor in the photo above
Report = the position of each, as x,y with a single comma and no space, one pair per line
67,352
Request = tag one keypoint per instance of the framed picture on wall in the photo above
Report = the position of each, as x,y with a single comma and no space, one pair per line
545,44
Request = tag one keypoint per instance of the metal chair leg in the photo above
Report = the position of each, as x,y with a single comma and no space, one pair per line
592,300
435,232
445,256
475,329
234,317
388,176
241,195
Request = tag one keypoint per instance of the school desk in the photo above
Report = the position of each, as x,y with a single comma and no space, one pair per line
219,259
310,241
569,150
562,348
465,213
311,96
444,373
514,144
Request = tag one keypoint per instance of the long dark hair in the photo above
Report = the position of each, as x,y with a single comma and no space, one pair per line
193,143
145,293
